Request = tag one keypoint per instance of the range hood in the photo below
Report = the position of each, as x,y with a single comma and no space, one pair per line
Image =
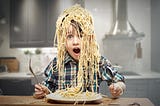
121,25
122,44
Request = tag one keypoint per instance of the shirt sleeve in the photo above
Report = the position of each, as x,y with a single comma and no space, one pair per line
50,73
109,73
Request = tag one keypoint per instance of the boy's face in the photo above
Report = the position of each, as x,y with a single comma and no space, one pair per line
73,42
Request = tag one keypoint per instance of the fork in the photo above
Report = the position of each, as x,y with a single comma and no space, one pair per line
30,68
37,81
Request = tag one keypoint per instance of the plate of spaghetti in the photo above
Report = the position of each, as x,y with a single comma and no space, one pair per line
62,96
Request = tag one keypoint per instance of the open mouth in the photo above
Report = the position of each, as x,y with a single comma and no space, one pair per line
76,50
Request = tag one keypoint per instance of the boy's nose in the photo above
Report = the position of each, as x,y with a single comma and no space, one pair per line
76,40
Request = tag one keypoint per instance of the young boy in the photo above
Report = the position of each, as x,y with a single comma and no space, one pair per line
78,62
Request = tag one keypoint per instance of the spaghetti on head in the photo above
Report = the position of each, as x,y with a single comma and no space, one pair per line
89,53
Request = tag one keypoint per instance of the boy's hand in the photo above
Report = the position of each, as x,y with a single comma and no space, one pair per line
116,89
40,91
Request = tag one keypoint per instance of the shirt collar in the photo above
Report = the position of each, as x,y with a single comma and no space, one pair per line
68,58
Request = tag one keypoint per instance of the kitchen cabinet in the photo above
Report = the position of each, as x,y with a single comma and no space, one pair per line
16,86
54,8
33,22
144,87
18,24
153,91
136,88
139,88
29,24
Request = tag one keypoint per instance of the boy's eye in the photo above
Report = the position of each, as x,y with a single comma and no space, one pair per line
69,36
80,36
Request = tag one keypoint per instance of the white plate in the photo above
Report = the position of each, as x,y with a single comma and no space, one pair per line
60,99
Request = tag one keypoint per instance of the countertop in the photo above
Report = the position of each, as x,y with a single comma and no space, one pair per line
30,101
141,75
21,76
15,75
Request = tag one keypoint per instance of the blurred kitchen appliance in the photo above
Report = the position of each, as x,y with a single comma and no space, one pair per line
122,45
11,64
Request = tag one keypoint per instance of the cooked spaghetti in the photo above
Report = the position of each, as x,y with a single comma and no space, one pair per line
89,54
77,96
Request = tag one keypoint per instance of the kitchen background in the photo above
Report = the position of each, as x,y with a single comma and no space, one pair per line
24,36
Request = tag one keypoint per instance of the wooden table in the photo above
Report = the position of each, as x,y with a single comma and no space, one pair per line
30,101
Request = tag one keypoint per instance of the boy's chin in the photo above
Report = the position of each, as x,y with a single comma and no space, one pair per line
76,58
